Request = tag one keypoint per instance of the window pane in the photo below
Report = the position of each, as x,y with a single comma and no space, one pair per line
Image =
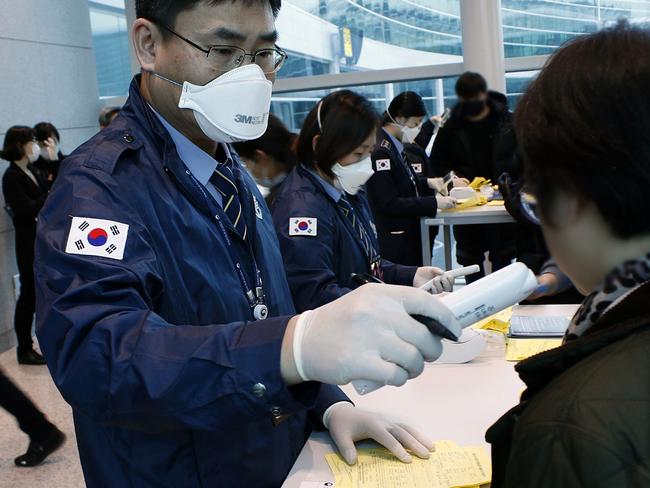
292,108
111,47
534,27
516,84
335,36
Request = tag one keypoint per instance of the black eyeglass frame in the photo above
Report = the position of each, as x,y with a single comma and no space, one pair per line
277,49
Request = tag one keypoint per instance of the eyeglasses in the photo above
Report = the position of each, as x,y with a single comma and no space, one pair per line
226,58
529,207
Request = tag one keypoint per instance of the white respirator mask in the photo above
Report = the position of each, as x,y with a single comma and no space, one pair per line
233,107
34,153
410,133
352,177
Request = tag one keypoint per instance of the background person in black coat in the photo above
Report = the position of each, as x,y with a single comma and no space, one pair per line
398,192
51,156
25,190
478,140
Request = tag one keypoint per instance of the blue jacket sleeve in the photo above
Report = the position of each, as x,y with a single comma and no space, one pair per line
398,274
309,260
329,395
118,362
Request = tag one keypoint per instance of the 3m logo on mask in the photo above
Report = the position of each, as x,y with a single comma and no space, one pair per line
251,119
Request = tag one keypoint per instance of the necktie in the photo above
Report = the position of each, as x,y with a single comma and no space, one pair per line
223,180
409,171
357,225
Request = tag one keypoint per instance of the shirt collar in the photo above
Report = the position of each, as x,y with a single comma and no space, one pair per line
398,144
200,163
330,189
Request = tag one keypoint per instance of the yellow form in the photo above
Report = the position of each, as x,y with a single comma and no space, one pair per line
450,466
499,322
520,349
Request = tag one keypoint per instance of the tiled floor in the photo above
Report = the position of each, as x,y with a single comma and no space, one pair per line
61,469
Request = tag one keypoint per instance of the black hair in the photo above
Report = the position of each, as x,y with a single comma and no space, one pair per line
45,130
277,142
583,127
15,138
106,115
406,104
470,85
347,120
166,11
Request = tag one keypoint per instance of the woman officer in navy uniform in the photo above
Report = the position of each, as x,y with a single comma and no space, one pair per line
399,192
321,215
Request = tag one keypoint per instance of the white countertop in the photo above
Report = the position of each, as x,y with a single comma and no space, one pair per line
447,402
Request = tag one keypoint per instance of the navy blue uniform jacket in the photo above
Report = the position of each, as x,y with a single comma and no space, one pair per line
319,266
398,204
157,352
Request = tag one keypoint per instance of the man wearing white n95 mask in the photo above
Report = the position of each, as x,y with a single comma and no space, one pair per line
163,309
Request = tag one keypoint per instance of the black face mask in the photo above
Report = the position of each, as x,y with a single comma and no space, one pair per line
472,108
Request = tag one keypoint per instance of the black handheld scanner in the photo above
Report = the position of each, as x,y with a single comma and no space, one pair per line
435,327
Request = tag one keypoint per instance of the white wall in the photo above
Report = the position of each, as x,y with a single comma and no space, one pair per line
47,73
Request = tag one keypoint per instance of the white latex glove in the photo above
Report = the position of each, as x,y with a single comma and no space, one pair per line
369,334
445,203
441,282
437,184
348,424
460,182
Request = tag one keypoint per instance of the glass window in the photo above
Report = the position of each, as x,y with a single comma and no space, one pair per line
535,27
356,35
438,94
111,47
516,85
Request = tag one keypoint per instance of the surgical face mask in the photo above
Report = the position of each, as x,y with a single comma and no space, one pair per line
410,133
352,177
472,108
34,153
231,108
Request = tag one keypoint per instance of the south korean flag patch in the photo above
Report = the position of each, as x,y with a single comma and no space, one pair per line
383,165
303,226
417,167
97,237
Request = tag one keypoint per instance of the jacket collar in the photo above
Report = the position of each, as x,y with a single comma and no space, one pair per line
138,108
624,319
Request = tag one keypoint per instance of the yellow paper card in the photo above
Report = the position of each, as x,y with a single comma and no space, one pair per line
499,322
520,349
450,467
495,203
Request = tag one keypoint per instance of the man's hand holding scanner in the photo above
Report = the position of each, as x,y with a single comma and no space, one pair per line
373,333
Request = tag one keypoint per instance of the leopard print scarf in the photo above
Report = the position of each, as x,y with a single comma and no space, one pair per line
614,288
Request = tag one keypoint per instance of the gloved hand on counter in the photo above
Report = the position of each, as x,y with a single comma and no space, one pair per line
368,334
441,282
445,203
347,424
